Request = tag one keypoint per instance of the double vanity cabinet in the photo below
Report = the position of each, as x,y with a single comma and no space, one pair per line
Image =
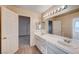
46,47
54,44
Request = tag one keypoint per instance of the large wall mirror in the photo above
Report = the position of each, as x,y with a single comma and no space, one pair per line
62,25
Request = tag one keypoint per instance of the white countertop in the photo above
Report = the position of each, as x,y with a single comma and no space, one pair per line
53,39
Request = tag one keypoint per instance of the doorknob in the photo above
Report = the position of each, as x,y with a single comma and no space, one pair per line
4,37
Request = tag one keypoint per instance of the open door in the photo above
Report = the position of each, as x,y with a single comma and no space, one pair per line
9,31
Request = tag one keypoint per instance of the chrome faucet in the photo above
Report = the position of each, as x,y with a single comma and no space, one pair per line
67,41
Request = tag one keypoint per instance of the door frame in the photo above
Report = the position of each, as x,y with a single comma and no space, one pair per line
0,30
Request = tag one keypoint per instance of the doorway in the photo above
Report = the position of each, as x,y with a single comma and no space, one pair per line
50,27
24,31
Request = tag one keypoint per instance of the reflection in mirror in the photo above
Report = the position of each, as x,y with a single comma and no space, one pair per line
62,25
57,27
50,27
77,26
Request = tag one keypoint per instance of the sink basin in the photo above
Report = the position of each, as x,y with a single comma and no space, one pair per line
70,45
64,43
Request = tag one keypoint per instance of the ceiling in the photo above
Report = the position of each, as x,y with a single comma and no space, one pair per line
36,8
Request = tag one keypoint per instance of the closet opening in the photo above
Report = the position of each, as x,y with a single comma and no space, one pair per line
24,31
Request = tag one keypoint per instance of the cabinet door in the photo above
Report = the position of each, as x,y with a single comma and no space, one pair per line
41,44
9,28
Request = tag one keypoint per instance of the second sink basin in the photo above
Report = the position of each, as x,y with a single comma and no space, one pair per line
72,45
64,43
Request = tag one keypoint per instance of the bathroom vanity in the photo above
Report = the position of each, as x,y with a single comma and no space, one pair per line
54,44
62,24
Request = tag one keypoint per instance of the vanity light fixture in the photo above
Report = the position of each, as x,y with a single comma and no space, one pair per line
52,12
63,7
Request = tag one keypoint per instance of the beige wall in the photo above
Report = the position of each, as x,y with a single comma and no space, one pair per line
67,23
34,17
